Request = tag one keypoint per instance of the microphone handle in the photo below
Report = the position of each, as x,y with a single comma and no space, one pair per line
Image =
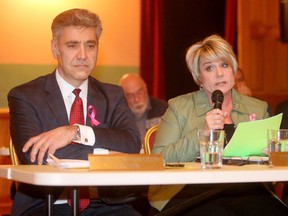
218,105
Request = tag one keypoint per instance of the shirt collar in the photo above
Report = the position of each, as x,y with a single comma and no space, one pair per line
66,88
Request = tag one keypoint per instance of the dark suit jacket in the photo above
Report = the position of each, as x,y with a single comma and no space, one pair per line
283,108
158,108
38,106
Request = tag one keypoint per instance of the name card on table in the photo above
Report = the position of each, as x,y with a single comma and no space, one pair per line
279,158
126,162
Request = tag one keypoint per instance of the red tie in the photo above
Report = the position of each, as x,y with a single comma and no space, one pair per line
77,117
76,113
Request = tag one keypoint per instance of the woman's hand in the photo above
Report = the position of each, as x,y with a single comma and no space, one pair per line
214,119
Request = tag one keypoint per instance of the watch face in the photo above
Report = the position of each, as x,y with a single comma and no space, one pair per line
77,137
78,132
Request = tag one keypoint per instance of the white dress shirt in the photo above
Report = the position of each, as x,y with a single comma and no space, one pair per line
87,133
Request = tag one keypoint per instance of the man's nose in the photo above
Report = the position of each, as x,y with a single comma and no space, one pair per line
82,54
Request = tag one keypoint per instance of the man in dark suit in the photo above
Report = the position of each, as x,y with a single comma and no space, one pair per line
146,109
282,107
40,113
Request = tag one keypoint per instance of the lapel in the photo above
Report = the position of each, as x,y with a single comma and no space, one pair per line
97,98
201,102
55,101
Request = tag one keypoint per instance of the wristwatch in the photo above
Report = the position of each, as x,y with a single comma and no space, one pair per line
77,137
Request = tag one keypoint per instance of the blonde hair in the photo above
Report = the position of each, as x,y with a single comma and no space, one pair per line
76,17
213,47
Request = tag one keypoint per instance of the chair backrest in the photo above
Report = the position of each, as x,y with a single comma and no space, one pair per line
149,139
13,155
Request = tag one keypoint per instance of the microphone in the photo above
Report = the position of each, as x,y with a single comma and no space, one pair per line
217,99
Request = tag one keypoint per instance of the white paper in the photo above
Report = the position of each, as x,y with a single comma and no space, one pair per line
67,163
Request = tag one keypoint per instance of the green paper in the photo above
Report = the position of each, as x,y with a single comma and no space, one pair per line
250,138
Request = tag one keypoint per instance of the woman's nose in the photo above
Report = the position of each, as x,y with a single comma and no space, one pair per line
219,72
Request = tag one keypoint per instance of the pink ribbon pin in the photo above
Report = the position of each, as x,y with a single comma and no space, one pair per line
252,117
92,115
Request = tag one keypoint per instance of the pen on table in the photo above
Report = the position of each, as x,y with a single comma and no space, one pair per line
175,164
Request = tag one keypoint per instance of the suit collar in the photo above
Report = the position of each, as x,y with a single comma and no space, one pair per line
54,99
202,102
237,102
98,100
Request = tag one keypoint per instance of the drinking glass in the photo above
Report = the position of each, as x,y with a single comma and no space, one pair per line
277,140
211,148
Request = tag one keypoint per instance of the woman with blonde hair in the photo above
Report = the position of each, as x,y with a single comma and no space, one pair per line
213,66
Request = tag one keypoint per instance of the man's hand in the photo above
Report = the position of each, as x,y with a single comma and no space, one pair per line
49,142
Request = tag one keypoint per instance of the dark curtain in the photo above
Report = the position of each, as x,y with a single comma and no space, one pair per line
151,54
168,28
187,22
231,23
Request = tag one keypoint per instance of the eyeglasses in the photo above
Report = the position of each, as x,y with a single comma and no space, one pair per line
140,93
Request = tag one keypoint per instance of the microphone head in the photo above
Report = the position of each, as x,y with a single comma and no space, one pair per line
217,99
218,96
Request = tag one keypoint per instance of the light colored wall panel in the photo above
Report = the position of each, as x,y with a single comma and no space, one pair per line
25,39
25,30
261,54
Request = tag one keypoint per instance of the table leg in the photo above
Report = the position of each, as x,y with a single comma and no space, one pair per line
75,202
49,204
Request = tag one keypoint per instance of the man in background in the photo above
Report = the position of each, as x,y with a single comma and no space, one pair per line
146,109
242,88
240,83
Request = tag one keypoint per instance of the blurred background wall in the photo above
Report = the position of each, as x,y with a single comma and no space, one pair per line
25,39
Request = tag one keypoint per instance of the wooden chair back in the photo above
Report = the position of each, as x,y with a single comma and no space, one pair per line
13,155
149,139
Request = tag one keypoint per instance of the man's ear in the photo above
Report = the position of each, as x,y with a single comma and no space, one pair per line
54,48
